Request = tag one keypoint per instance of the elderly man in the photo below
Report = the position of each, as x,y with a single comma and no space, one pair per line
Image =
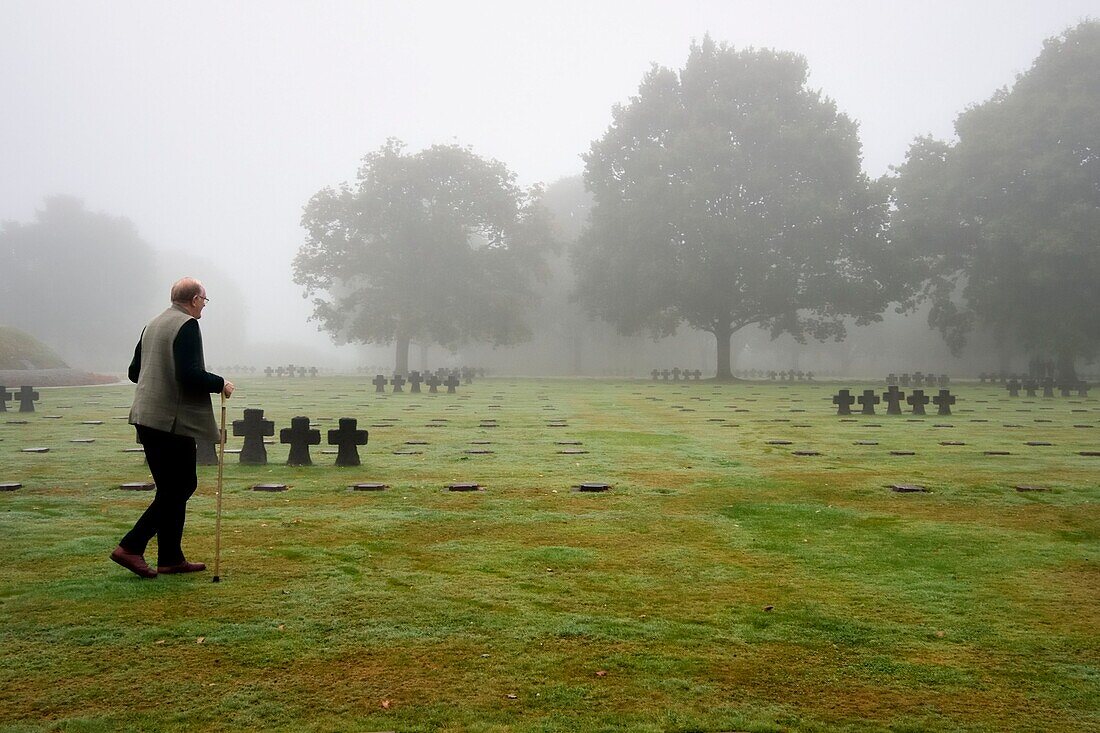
171,410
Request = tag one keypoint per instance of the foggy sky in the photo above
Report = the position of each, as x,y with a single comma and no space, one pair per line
210,124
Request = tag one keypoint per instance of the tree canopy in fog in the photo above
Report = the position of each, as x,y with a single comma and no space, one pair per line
1004,225
729,195
74,279
435,247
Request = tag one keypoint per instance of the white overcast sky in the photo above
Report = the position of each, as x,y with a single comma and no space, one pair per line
210,124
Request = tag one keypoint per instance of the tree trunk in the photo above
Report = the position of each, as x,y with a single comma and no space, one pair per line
1066,369
401,365
723,339
424,358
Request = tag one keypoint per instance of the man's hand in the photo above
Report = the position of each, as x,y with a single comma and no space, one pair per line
228,389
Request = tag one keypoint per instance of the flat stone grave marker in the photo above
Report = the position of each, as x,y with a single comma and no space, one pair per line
865,442
952,442
463,486
805,453
908,488
54,417
481,442
369,486
408,452
903,453
572,451
1029,487
82,440
996,453
10,486
416,442
1037,443
36,450
778,442
1089,453
138,486
269,487
478,451
133,450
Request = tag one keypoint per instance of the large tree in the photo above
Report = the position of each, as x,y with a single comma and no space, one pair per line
1002,226
434,247
728,195
81,281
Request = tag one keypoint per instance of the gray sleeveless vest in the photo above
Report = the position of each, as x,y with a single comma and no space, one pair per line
159,401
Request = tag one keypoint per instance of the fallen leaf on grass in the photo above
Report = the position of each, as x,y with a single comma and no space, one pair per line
200,640
769,608
511,696
385,704
281,627
601,673
159,641
941,634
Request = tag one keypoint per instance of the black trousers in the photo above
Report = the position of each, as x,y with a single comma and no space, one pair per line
172,462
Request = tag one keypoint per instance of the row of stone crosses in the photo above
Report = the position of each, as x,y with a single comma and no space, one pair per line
918,379
299,436
664,375
26,396
788,376
893,397
441,378
1031,385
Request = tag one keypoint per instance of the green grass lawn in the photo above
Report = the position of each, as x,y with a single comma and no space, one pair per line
721,584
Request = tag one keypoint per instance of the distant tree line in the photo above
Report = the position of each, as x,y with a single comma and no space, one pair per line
729,194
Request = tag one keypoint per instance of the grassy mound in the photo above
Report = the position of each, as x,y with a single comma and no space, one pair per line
22,351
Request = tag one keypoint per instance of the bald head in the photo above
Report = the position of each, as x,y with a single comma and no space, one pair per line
185,290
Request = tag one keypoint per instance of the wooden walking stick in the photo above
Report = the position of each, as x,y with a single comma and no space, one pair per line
218,515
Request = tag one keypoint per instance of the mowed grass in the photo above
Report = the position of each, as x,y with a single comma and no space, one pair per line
722,584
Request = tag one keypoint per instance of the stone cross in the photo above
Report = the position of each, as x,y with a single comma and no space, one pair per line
26,397
313,371
891,380
452,382
1082,388
348,439
892,397
903,381
655,373
300,437
433,381
918,400
918,379
302,371
1030,385
467,375
676,374
379,383
943,381
1048,387
5,398
665,375
290,370
844,401
279,371
254,428
1013,387
269,371
1065,388
982,377
809,376
414,382
398,382
868,401
943,402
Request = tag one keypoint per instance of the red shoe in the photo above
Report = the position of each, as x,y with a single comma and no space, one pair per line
183,567
134,563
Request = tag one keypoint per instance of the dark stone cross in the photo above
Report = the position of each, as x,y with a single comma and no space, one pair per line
379,383
313,371
300,437
302,372
5,398
1065,388
918,379
254,428
1082,388
1013,387
452,382
893,397
943,402
279,371
1030,385
398,383
869,400
433,382
26,396
414,382
918,400
655,373
982,377
290,370
467,375
1048,387
348,439
269,371
676,374
665,375
904,380
891,379
943,381
844,401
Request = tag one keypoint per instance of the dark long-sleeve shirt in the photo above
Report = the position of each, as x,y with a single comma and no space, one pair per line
187,355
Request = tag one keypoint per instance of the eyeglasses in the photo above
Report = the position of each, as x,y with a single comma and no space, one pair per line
204,298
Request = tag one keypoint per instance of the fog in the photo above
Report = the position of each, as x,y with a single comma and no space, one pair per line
209,125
